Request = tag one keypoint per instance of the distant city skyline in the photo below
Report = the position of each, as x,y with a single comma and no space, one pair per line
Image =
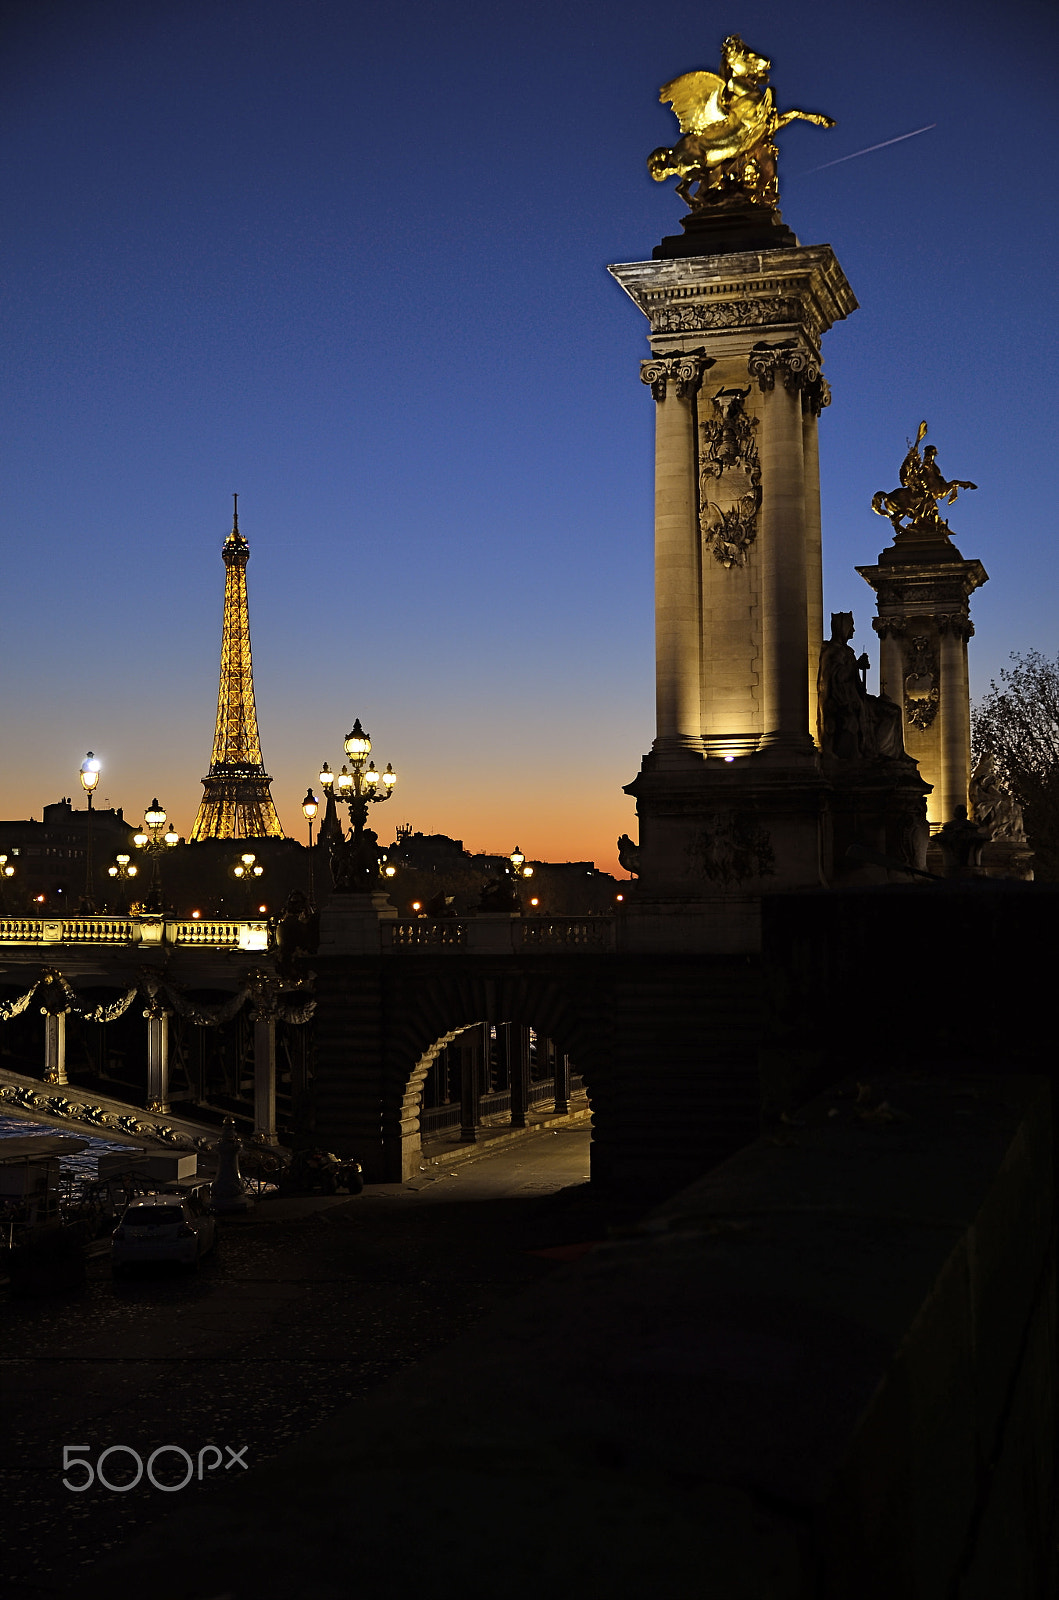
355,273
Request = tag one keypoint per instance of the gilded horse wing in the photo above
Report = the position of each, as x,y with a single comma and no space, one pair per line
726,125
694,97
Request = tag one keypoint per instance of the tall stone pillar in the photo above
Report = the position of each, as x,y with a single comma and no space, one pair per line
55,1047
674,382
814,399
783,535
469,1082
562,1083
923,590
265,1080
157,1060
519,1068
743,810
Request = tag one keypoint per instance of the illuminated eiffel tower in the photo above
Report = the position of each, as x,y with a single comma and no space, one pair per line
238,801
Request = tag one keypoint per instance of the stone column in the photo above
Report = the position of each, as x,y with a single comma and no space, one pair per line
954,713
891,659
519,1067
468,1090
265,1079
674,382
814,399
158,1060
55,1047
782,543
562,1083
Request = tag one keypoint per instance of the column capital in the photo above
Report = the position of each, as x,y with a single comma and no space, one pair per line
799,371
685,370
890,627
816,395
957,623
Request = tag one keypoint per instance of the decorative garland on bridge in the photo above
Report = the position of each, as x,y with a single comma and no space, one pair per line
60,996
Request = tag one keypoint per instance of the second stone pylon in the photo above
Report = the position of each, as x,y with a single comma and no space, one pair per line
731,800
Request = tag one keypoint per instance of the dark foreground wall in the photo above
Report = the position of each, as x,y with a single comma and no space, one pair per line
926,977
825,1371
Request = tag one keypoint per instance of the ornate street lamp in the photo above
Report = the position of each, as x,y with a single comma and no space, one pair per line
124,868
89,776
247,870
355,861
154,842
6,871
310,806
518,864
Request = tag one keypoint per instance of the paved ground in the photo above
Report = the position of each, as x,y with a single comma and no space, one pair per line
303,1306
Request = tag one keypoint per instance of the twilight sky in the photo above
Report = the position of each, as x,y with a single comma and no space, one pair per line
348,260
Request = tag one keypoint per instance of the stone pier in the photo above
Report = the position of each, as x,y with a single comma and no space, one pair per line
731,799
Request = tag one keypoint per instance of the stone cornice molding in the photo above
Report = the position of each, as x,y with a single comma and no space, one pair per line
938,584
684,370
803,288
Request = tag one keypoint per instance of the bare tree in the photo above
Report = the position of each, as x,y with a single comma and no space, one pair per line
1018,720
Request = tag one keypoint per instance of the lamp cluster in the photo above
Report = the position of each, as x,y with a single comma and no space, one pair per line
355,861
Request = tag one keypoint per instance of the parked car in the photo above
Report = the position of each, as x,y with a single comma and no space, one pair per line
162,1227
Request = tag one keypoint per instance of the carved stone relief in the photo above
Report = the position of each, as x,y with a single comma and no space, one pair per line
729,478
733,847
922,693
701,314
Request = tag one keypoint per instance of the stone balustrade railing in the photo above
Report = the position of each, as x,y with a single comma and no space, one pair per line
497,934
483,933
43,931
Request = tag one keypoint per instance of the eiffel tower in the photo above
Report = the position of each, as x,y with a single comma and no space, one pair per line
238,801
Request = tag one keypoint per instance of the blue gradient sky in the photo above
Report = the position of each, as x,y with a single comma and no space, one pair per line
349,261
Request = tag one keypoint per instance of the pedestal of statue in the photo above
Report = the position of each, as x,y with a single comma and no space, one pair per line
731,800
350,924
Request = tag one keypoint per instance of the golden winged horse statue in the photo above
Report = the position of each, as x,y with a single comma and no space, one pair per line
729,125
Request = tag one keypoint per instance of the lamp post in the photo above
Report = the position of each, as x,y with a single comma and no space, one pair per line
6,871
310,806
154,843
518,864
124,868
355,860
89,776
248,869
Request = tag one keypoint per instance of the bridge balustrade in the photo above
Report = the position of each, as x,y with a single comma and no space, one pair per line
215,934
516,934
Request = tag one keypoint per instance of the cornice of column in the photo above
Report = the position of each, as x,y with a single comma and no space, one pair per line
767,289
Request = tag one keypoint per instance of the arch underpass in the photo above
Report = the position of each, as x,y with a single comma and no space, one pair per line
667,1047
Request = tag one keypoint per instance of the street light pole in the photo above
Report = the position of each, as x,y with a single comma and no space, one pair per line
155,843
247,869
6,871
310,806
355,863
123,869
89,776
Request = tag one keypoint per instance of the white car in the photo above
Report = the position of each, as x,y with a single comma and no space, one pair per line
162,1227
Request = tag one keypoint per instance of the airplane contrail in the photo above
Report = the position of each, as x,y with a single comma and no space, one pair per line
869,149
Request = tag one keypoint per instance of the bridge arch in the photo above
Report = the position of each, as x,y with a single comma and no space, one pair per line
373,1060
435,1015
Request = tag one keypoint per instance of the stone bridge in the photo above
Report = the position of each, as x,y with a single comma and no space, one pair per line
666,1044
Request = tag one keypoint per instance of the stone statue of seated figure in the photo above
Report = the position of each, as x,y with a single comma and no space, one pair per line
854,725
